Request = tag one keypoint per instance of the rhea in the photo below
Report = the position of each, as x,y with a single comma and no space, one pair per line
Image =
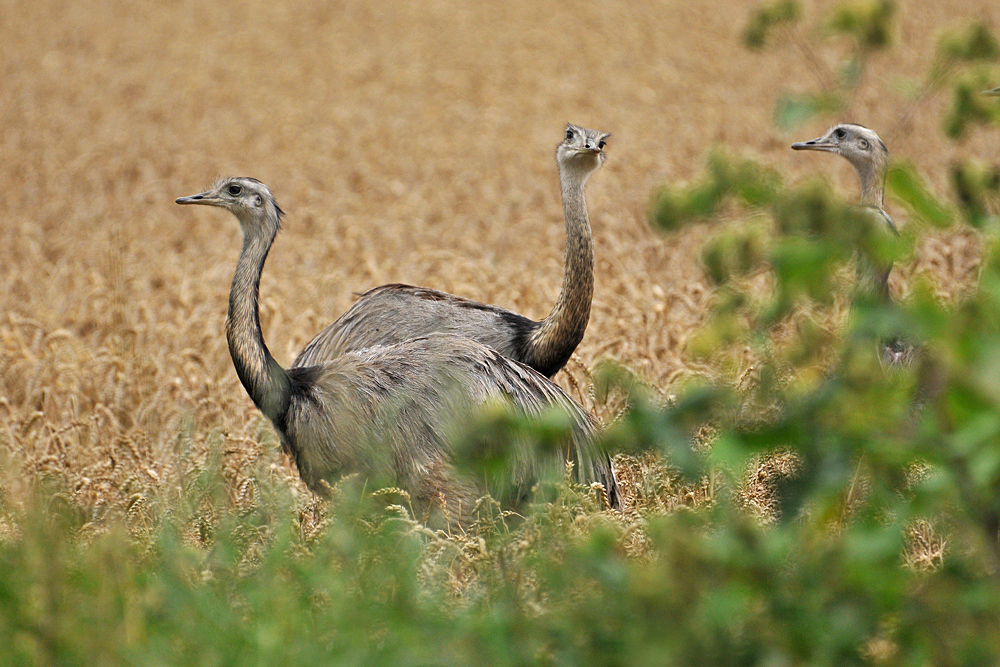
385,411
866,152
393,313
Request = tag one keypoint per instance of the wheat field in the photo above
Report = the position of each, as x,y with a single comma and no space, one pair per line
408,142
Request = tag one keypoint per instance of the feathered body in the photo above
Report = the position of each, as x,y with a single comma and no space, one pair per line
391,314
389,412
386,411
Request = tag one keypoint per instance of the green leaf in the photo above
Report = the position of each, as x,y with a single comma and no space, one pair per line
977,187
973,43
869,23
794,110
727,177
969,105
765,19
905,184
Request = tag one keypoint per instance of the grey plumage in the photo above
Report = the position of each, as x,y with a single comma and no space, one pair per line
385,411
393,313
870,158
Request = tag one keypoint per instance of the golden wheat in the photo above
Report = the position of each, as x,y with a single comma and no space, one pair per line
409,141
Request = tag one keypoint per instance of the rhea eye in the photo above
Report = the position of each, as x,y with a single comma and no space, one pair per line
569,135
863,143
235,190
840,134
600,144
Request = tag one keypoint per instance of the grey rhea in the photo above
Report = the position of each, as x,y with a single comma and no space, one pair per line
870,158
393,313
384,411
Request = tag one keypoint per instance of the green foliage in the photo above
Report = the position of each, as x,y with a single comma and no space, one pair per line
794,110
904,184
764,19
733,255
740,180
966,56
976,187
973,43
880,450
869,24
969,105
817,232
889,459
869,27
713,586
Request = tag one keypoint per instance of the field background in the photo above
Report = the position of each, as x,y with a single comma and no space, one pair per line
408,141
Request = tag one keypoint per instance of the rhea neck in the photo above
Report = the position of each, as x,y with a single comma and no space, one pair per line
559,333
264,379
873,277
872,176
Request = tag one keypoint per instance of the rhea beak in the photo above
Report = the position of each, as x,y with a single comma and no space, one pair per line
586,150
815,145
992,93
206,198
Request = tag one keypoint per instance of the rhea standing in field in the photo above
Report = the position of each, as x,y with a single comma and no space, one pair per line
386,410
870,158
393,313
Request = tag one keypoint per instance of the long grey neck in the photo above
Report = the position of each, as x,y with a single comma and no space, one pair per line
872,177
559,333
266,382
872,277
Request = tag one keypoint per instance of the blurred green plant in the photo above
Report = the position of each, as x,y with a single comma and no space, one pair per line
826,584
966,58
888,532
868,28
973,43
765,19
728,179
969,105
868,24
976,186
906,186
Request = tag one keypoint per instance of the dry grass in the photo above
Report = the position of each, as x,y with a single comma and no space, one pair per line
409,142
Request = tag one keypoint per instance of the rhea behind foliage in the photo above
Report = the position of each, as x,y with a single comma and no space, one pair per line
393,313
387,411
870,158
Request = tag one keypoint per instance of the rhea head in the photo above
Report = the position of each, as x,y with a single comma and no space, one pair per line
246,198
859,145
863,149
582,149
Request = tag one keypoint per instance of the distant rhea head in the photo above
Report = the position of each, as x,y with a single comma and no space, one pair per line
859,145
581,149
992,93
247,198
